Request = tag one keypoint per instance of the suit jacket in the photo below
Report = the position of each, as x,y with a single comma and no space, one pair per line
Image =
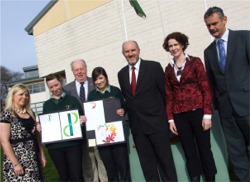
231,88
70,89
191,92
146,110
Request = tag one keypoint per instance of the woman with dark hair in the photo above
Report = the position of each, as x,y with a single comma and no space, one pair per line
114,157
66,155
189,106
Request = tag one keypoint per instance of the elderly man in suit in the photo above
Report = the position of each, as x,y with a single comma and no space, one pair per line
142,83
93,167
227,61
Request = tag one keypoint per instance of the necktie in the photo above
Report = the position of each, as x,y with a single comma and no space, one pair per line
133,82
82,92
222,54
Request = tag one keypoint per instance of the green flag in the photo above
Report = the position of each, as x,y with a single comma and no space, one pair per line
137,8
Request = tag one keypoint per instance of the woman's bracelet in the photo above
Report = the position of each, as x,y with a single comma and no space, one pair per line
16,164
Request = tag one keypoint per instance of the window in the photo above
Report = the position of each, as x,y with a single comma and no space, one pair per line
36,88
31,74
37,107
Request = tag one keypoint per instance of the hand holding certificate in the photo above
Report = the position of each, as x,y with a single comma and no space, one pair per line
103,125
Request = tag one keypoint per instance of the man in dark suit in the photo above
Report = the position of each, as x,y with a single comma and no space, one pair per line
147,113
228,70
93,167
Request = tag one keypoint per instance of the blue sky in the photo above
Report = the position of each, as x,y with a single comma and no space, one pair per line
17,47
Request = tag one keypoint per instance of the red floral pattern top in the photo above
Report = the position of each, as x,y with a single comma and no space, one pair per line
191,92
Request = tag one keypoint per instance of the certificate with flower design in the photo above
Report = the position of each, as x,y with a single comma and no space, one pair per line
60,126
108,133
103,126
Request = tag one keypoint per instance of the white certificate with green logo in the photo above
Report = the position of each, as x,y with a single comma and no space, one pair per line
60,126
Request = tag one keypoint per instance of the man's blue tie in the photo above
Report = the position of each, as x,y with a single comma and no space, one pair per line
222,54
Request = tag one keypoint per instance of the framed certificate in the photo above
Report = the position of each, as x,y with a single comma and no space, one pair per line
103,126
60,126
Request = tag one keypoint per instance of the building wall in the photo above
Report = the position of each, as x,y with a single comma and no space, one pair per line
38,97
97,35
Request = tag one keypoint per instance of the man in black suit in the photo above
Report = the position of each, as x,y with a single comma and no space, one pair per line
93,167
229,80
147,114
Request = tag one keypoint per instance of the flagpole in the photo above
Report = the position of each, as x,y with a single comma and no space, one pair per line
205,5
161,18
124,21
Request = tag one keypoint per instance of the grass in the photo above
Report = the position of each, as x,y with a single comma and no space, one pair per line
50,170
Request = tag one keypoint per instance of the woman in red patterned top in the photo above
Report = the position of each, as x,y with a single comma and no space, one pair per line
189,106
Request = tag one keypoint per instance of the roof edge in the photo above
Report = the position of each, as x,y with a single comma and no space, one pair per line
29,27
29,68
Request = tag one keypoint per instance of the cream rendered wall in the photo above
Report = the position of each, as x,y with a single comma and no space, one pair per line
97,35
38,97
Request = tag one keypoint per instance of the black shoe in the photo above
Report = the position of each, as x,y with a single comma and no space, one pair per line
210,178
195,179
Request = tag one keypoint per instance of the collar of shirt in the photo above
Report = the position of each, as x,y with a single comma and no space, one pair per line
225,40
78,85
106,89
62,95
55,100
172,61
137,66
224,36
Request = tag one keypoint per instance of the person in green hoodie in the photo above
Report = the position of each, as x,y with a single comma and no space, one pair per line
66,155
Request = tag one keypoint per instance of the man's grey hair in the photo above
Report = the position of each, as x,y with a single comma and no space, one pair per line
82,60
